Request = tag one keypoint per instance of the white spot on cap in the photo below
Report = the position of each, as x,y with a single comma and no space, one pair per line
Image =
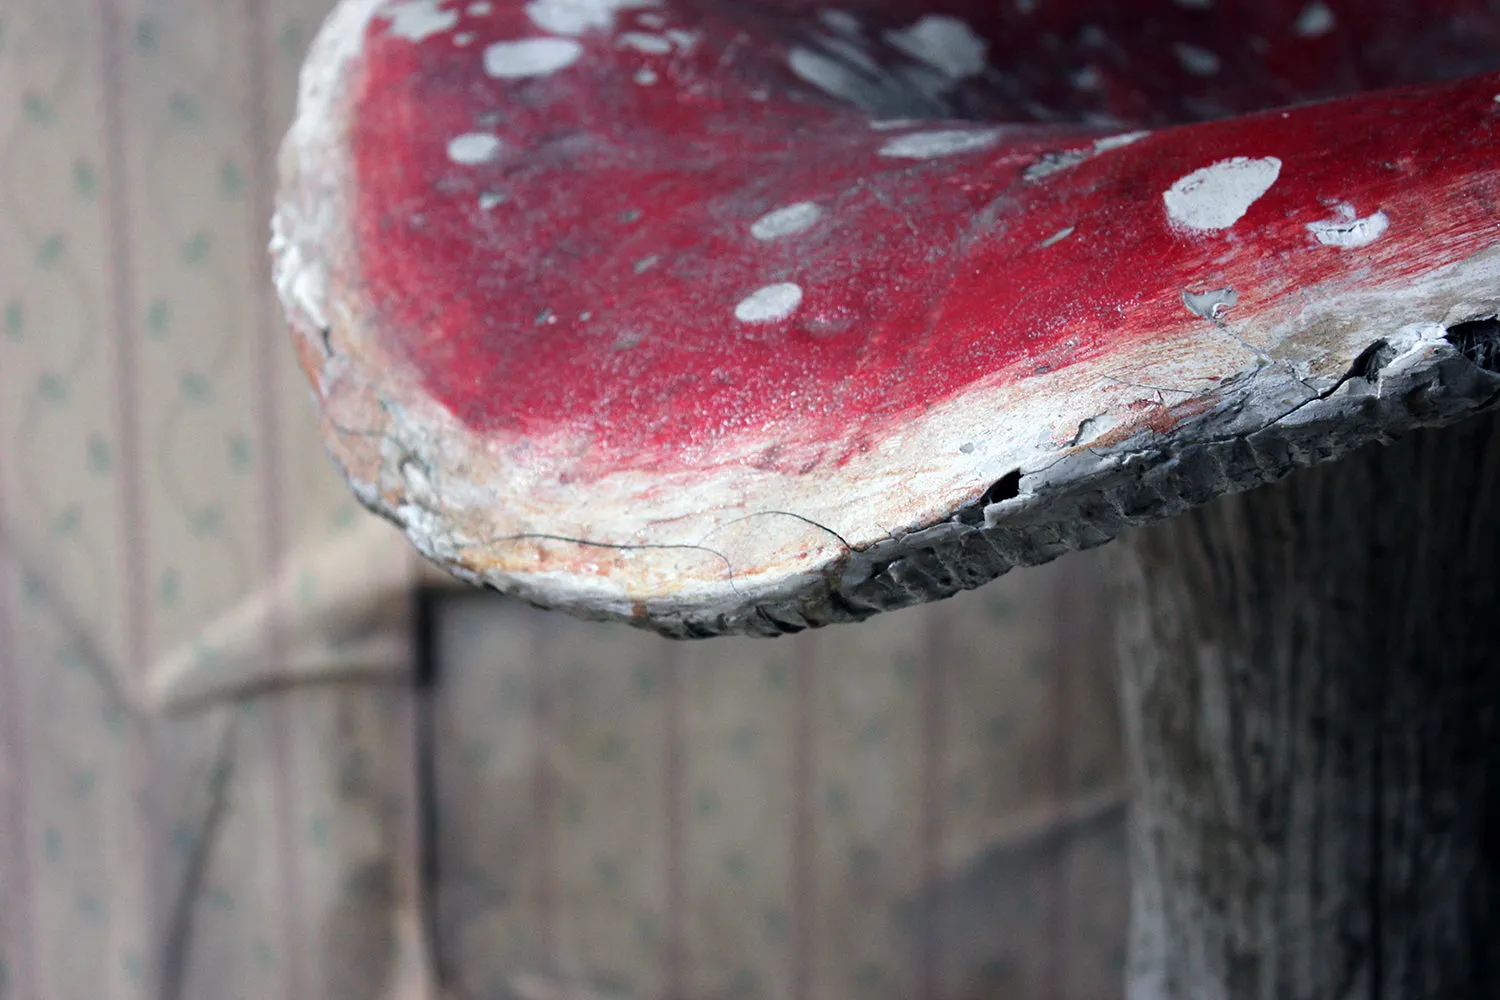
945,142
944,43
574,17
786,221
1348,232
768,304
1196,4
1109,142
489,200
1058,236
645,76
416,20
654,45
828,75
1217,196
887,124
463,38
480,8
473,147
530,57
1316,19
1196,59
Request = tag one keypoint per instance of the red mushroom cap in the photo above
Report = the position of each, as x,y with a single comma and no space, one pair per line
653,311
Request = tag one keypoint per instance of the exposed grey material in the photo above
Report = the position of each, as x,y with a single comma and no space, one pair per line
1051,163
1311,688
1210,304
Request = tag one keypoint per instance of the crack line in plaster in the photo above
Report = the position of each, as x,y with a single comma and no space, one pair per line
618,546
784,513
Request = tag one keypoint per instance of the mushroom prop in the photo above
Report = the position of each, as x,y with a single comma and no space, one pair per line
744,318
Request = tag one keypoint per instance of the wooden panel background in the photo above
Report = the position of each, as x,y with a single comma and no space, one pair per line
927,805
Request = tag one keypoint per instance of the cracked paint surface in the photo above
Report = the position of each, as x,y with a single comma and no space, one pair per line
725,328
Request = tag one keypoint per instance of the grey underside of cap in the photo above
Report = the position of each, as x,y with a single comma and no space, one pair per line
1264,427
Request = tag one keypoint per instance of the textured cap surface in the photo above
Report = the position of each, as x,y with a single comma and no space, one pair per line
654,311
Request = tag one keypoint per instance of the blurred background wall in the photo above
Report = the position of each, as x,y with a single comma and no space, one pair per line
218,777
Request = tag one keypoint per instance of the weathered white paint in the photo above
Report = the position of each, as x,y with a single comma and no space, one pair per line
574,17
1348,232
308,288
1109,142
652,45
530,57
1059,236
1197,60
301,279
418,20
1218,195
786,221
1316,19
768,304
473,147
944,142
944,43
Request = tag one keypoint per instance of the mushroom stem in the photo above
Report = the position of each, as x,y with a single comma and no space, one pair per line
1311,688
